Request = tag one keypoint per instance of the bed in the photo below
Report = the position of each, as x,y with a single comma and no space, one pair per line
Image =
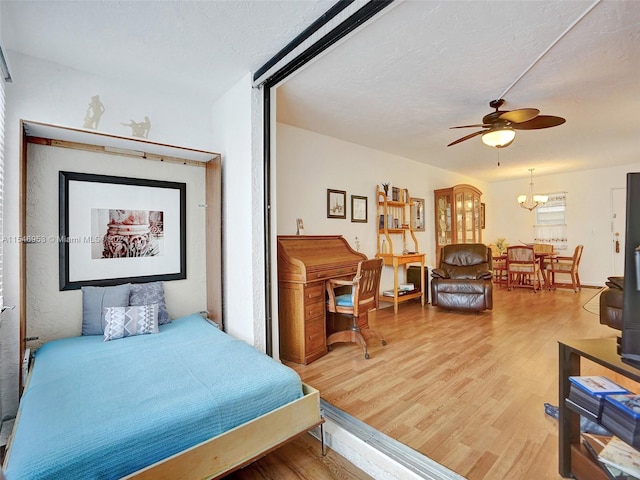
189,402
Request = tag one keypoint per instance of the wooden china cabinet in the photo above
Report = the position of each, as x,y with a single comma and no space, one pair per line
457,216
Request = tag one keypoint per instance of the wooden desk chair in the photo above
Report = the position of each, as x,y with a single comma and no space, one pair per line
568,266
523,268
363,297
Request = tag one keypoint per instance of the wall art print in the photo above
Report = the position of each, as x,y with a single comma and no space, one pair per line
115,230
336,203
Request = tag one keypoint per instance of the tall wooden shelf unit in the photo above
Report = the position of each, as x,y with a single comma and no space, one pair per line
457,216
395,221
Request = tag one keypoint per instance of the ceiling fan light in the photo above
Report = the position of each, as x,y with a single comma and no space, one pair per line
499,138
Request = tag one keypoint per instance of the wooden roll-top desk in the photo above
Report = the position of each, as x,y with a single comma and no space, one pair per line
305,263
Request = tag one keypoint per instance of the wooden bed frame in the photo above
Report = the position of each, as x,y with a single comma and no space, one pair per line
238,447
242,445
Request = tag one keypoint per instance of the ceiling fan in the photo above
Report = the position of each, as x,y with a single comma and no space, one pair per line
499,126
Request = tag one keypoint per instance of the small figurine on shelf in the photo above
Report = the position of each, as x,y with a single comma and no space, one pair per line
387,189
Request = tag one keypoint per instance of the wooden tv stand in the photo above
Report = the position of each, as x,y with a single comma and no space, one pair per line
573,460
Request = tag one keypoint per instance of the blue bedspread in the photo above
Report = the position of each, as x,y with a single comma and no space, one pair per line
102,410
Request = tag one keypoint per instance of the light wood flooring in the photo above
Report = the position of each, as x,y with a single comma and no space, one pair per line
300,459
467,390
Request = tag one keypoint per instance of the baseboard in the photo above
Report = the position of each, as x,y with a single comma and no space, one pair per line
374,452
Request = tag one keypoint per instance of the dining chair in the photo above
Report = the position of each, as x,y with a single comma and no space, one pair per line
498,265
567,266
544,252
362,298
523,268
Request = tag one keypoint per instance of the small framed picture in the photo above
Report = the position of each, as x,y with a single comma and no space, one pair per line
358,209
336,203
417,214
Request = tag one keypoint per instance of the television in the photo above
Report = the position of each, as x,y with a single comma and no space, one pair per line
630,337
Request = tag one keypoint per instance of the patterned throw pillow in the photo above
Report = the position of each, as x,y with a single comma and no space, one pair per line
148,293
123,322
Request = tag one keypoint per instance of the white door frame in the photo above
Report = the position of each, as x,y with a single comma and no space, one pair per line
618,226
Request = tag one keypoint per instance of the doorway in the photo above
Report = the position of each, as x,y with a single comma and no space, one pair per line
618,225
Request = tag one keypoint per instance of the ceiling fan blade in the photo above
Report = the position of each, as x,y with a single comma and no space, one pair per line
477,125
541,121
467,137
520,115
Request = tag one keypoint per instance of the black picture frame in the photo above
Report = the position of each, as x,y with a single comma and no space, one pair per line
359,209
336,203
417,214
85,199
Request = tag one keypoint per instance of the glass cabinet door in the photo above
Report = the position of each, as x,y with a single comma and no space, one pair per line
460,218
469,230
457,219
443,220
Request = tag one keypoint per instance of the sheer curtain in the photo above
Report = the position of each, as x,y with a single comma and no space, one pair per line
550,224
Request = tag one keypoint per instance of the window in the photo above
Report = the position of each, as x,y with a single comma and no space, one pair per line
551,225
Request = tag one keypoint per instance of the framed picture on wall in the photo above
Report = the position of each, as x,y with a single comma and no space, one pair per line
417,214
115,230
336,203
359,209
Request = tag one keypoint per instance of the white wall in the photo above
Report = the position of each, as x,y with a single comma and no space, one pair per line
46,92
234,134
588,214
308,164
54,314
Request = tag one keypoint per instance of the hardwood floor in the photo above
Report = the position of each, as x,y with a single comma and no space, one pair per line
467,390
298,459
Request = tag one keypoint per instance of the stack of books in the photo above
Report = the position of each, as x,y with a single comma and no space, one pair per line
589,394
621,416
620,460
401,293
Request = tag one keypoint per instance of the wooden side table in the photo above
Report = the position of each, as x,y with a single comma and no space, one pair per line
397,261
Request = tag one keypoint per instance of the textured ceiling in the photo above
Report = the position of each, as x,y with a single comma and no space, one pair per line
205,46
397,84
424,66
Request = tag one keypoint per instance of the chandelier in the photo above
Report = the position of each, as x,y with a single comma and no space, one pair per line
531,201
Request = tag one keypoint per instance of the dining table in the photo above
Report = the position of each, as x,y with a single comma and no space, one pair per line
543,258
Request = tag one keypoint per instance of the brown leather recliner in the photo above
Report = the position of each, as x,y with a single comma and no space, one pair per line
463,279
611,303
